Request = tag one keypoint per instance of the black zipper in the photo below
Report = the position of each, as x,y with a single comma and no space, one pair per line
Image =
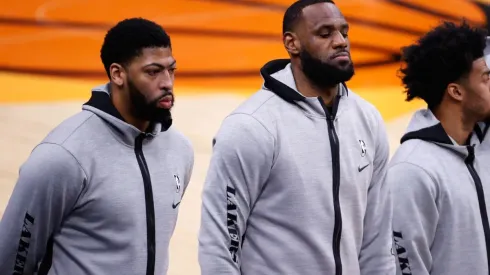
481,199
150,208
335,151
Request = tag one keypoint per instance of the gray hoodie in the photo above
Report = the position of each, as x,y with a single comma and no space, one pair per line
440,221
96,196
295,189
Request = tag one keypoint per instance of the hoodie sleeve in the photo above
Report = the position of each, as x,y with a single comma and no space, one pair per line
241,163
189,168
376,256
415,217
48,185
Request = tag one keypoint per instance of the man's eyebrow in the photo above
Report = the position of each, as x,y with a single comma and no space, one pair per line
160,65
331,26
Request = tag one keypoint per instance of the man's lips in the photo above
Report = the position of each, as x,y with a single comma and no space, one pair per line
341,56
166,102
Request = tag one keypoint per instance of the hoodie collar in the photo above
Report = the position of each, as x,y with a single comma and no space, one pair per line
425,126
480,132
278,78
100,103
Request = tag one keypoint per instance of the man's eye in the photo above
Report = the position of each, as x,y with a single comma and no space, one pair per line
153,72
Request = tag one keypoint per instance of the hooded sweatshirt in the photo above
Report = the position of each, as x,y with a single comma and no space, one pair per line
293,188
440,218
96,196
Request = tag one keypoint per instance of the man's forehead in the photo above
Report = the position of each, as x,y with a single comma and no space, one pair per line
155,55
479,66
322,14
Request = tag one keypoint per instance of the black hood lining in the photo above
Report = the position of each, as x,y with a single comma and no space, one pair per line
435,133
102,101
485,130
480,133
276,86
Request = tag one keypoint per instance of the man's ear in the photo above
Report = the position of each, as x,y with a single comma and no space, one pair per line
291,43
118,74
455,91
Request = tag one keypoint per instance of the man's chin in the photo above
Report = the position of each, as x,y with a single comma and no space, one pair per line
342,65
344,75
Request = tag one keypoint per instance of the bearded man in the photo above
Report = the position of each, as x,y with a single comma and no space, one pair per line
296,179
100,194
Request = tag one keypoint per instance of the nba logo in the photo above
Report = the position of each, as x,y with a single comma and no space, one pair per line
177,183
363,147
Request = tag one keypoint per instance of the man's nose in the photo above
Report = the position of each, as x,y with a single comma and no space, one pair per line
166,80
339,41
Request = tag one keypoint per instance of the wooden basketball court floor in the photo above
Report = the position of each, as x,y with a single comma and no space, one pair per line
49,61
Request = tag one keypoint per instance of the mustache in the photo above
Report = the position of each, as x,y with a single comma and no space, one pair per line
165,93
162,96
340,53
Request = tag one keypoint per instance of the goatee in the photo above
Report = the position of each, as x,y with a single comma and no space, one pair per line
144,110
323,74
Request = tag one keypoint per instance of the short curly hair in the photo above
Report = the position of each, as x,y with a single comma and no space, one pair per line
442,56
128,38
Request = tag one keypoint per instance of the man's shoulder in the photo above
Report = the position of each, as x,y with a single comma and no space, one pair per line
255,111
69,128
255,104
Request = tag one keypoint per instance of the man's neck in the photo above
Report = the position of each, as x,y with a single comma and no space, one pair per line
456,125
122,106
308,89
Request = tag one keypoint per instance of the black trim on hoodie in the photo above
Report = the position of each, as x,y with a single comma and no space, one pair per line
436,133
47,261
290,95
103,102
485,130
276,86
481,198
480,133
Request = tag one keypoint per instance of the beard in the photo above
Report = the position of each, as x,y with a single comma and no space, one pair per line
323,74
147,110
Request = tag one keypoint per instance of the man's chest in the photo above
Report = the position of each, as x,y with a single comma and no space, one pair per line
307,156
121,190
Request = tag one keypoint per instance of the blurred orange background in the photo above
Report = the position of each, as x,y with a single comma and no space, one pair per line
219,44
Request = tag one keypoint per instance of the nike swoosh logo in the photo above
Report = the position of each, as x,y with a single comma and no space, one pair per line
362,168
175,205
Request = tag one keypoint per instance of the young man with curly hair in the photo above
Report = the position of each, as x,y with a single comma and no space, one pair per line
100,194
440,218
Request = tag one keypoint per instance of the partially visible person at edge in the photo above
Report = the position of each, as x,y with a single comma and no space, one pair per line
440,220
481,133
296,179
101,193
482,153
